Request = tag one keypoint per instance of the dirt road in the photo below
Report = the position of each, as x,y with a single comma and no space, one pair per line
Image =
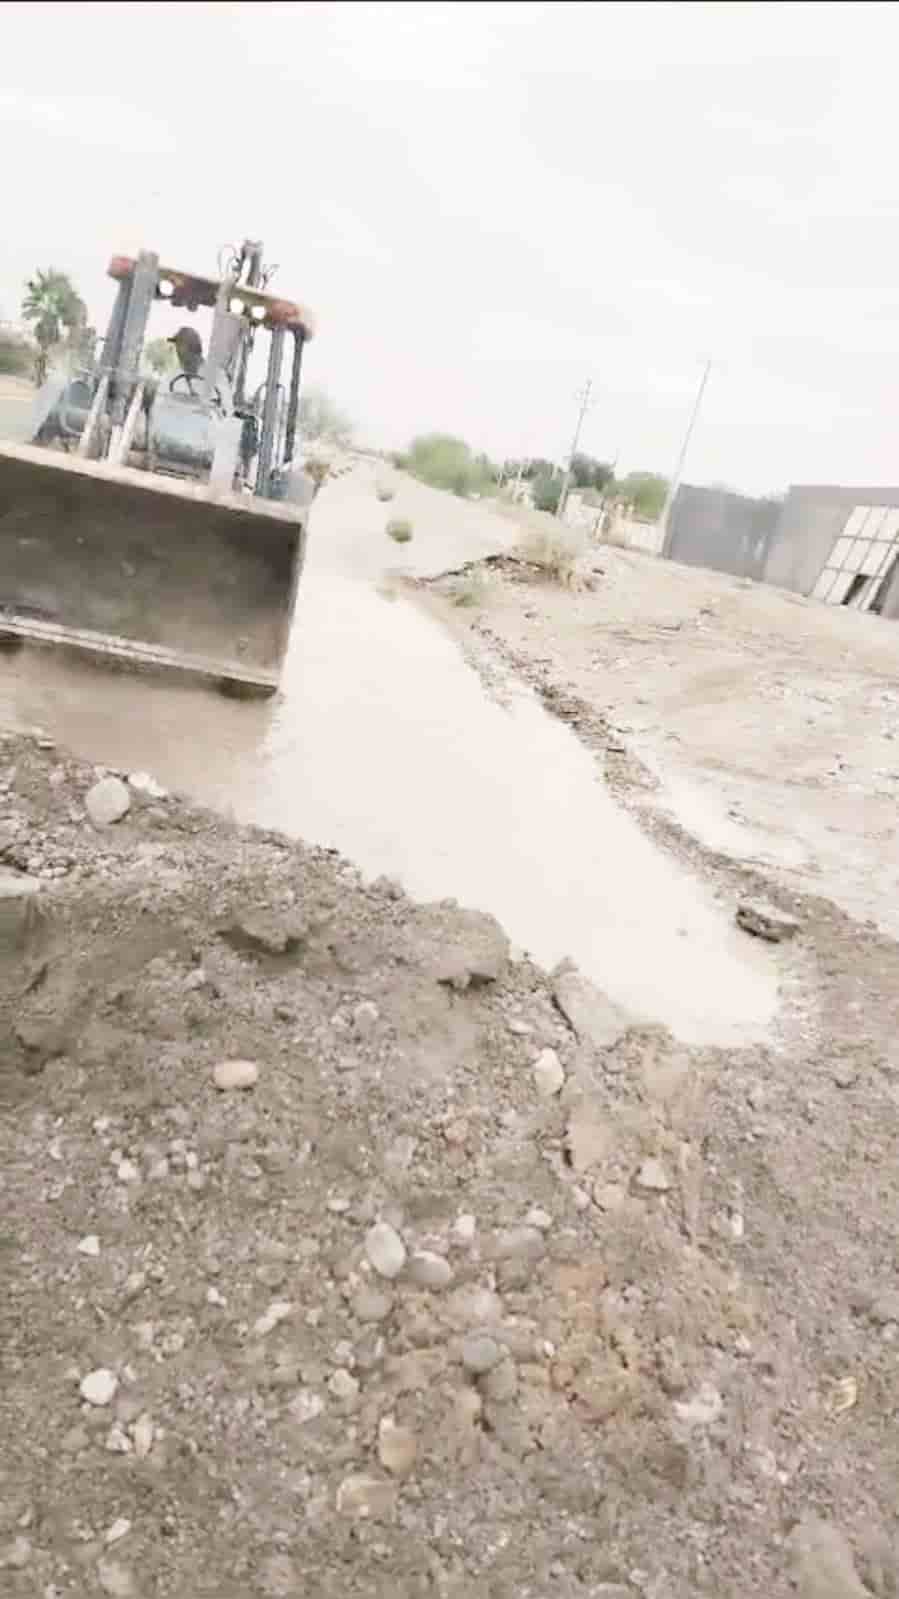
483,1284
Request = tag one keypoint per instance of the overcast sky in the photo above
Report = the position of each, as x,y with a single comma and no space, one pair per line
486,204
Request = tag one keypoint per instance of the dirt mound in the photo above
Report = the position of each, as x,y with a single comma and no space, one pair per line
447,1299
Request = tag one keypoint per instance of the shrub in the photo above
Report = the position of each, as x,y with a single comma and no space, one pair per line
557,550
16,356
385,491
546,493
399,530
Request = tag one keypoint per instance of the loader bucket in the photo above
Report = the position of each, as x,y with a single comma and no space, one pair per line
145,569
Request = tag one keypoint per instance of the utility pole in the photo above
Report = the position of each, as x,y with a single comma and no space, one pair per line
584,403
674,485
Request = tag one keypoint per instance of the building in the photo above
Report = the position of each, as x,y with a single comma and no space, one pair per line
839,545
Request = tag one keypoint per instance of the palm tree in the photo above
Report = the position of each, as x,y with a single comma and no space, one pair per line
53,304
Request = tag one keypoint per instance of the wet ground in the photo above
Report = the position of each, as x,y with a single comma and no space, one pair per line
386,746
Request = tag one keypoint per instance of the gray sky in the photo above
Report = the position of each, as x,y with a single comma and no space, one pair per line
485,204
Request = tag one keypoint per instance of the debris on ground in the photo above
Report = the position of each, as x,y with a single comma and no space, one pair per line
344,1248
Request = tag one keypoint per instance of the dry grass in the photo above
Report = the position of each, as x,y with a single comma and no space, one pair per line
558,550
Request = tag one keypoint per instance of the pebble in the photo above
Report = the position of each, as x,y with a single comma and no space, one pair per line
143,783
143,1433
428,1270
464,1229
764,920
365,1016
653,1176
539,1218
115,1579
549,1078
397,1447
501,1382
370,1304
16,1555
99,1387
306,1405
107,802
343,1386
235,1074
128,1172
704,1408
119,1529
368,1498
385,1249
480,1353
117,1440
277,1312
519,1029
608,1196
89,1245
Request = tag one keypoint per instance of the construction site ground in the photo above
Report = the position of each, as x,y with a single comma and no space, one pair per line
471,1281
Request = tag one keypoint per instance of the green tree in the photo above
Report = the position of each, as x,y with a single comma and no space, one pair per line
646,492
321,421
588,473
546,491
447,463
54,307
161,357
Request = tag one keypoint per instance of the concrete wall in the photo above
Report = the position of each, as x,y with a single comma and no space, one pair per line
813,516
721,530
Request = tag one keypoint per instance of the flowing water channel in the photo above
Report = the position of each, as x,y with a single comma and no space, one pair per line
385,745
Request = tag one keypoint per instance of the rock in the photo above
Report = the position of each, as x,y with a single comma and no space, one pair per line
764,920
143,783
653,1176
885,1307
89,1245
473,1307
366,1498
703,1409
306,1405
397,1447
365,1016
464,1230
19,914
549,1078
463,950
589,1138
99,1387
481,1353
143,1434
235,1074
343,1386
116,1579
595,1018
128,1172
428,1270
119,1529
539,1218
370,1304
385,1249
117,1440
501,1382
519,1243
16,1555
107,802
609,1196
264,932
277,1312
824,1563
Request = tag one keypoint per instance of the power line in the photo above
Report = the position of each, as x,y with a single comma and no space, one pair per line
584,402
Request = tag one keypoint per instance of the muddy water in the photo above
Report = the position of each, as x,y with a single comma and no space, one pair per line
385,745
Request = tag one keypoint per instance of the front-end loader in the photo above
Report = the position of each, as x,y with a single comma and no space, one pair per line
161,522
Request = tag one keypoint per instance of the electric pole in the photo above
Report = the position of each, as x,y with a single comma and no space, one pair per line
584,403
674,485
